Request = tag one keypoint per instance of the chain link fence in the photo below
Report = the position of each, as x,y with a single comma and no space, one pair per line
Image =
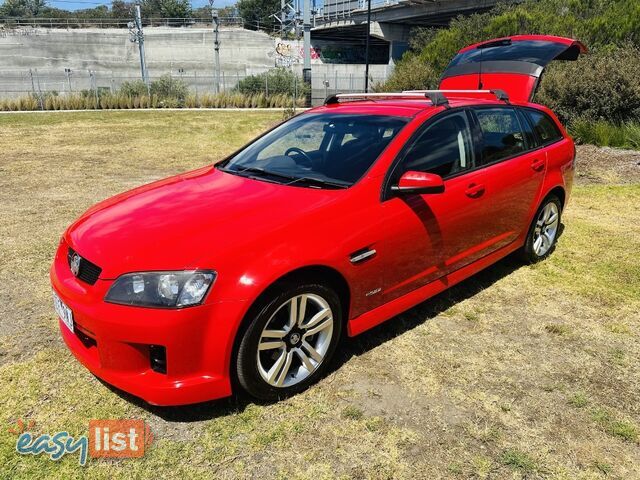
9,23
14,84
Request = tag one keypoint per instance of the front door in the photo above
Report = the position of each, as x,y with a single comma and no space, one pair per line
431,235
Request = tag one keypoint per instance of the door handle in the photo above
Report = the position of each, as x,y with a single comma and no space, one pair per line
474,190
537,165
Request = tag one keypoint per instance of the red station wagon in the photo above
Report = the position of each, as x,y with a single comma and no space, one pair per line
250,272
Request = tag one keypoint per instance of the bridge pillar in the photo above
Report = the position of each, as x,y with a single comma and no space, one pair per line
397,35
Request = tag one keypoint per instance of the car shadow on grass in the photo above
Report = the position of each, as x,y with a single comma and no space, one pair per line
364,342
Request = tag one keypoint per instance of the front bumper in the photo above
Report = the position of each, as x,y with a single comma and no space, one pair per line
114,341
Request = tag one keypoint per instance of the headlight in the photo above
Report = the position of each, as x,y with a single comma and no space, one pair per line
161,289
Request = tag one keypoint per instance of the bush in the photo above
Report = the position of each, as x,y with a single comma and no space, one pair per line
606,134
414,74
170,90
273,82
135,88
601,86
598,24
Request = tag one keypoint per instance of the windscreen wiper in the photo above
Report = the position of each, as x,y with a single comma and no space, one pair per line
319,182
260,171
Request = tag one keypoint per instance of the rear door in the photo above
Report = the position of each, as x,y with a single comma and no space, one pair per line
513,64
514,164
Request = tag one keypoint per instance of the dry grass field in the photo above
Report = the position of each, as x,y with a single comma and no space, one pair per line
519,372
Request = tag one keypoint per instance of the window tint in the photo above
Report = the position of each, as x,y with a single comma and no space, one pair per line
527,128
501,133
540,52
444,148
321,146
545,127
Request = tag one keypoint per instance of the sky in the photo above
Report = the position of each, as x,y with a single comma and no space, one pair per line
79,4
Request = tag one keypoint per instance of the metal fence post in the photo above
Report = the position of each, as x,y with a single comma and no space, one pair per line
326,86
39,90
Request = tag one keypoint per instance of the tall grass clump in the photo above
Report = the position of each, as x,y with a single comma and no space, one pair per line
119,100
605,133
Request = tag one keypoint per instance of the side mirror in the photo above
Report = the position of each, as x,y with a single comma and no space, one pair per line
419,182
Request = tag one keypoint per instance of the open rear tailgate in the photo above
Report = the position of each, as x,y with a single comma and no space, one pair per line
513,64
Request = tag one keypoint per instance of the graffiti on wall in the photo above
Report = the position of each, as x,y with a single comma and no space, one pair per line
286,54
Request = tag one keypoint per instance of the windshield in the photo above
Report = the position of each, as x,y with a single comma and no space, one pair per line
322,150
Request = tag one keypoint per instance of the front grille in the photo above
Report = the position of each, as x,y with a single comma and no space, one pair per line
88,272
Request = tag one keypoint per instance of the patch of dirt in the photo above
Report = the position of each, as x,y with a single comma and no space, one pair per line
605,165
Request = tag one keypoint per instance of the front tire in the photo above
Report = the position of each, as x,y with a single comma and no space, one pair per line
290,342
543,232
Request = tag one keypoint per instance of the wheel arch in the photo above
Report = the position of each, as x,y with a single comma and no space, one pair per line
559,192
317,273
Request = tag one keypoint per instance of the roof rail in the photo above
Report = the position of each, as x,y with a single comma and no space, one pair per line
437,97
499,94
358,96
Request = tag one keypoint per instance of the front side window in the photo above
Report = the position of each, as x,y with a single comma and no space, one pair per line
545,128
502,136
318,149
444,148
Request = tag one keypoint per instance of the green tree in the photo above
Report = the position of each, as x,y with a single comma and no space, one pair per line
166,8
205,12
23,8
257,14
120,9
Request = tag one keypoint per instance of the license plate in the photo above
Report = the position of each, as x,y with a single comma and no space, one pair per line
64,312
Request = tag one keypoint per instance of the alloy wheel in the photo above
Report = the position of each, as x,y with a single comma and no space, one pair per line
295,340
546,229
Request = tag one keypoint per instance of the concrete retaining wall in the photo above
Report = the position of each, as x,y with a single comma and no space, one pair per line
184,52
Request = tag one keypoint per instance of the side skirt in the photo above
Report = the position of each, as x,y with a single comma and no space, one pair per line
388,310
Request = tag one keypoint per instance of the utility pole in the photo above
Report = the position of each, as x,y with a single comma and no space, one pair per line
283,6
136,35
306,40
366,49
216,46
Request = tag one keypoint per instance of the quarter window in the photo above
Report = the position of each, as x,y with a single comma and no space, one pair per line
546,128
444,148
502,136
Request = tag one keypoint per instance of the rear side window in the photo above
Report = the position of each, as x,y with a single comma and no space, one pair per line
545,128
444,148
502,135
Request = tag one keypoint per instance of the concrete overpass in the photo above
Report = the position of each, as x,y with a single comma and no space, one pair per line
345,21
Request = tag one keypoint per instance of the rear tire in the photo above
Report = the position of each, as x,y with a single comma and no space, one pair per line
543,232
290,341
